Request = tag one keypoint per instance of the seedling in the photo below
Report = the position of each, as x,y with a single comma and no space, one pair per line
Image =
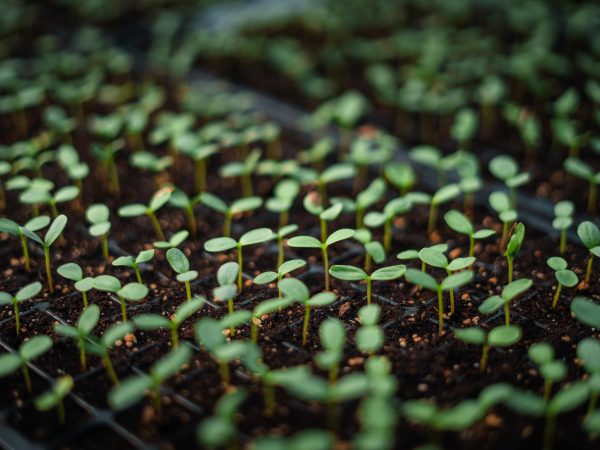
509,293
227,291
282,271
181,200
432,157
181,314
401,176
501,336
132,292
297,290
351,273
236,208
373,250
174,241
281,234
461,224
40,195
311,242
106,154
252,237
370,336
464,127
73,272
129,261
418,254
564,276
243,170
588,351
370,150
589,234
56,228
81,332
513,247
284,194
219,430
580,169
333,337
551,369
28,351
332,174
180,264
35,224
159,199
367,198
134,388
563,212
101,346
264,308
586,311
443,195
54,398
506,169
501,204
25,293
149,162
200,154
98,216
426,281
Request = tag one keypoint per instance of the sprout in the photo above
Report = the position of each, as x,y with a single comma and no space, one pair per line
54,231
150,162
351,273
418,254
311,242
586,311
132,292
129,261
297,290
159,199
564,277
552,370
332,174
219,429
393,208
285,192
73,272
28,351
401,176
81,332
506,169
181,314
369,150
430,156
563,212
316,154
501,204
25,293
513,247
236,208
102,346
243,170
428,282
106,155
282,271
200,154
264,308
461,224
589,234
373,250
365,199
55,396
98,216
174,241
443,195
35,224
180,199
227,291
333,337
40,195
370,336
580,169
134,388
464,127
252,237
501,336
180,264
509,293
588,351
282,233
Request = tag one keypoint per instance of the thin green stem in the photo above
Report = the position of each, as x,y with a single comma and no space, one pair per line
200,175
368,290
82,356
247,190
104,240
588,271
306,323
387,235
156,225
191,220
280,251
484,358
25,252
188,290
174,337
592,198
48,269
269,393
239,277
556,296
224,369
471,245
547,389
326,266
253,330
26,377
85,300
433,209
230,308
506,314
563,241
451,301
227,225
323,230
509,260
549,431
123,308
17,315
110,370
440,311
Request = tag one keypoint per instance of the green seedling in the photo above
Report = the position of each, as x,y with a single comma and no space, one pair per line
311,242
443,195
501,336
588,351
101,346
513,247
464,127
54,398
393,208
106,154
252,237
28,351
72,271
332,174
580,169
265,308
406,255
40,196
131,292
242,170
367,198
281,234
297,290
236,208
181,200
501,204
25,293
227,290
98,216
149,162
220,430
373,250
369,337
351,273
325,215
174,241
461,224
181,265
586,311
333,338
430,156
129,261
181,314
284,194
134,388
589,234
200,154
35,224
564,276
506,169
159,199
426,281
365,151
401,176
509,293
54,231
284,269
81,332
563,219
551,369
